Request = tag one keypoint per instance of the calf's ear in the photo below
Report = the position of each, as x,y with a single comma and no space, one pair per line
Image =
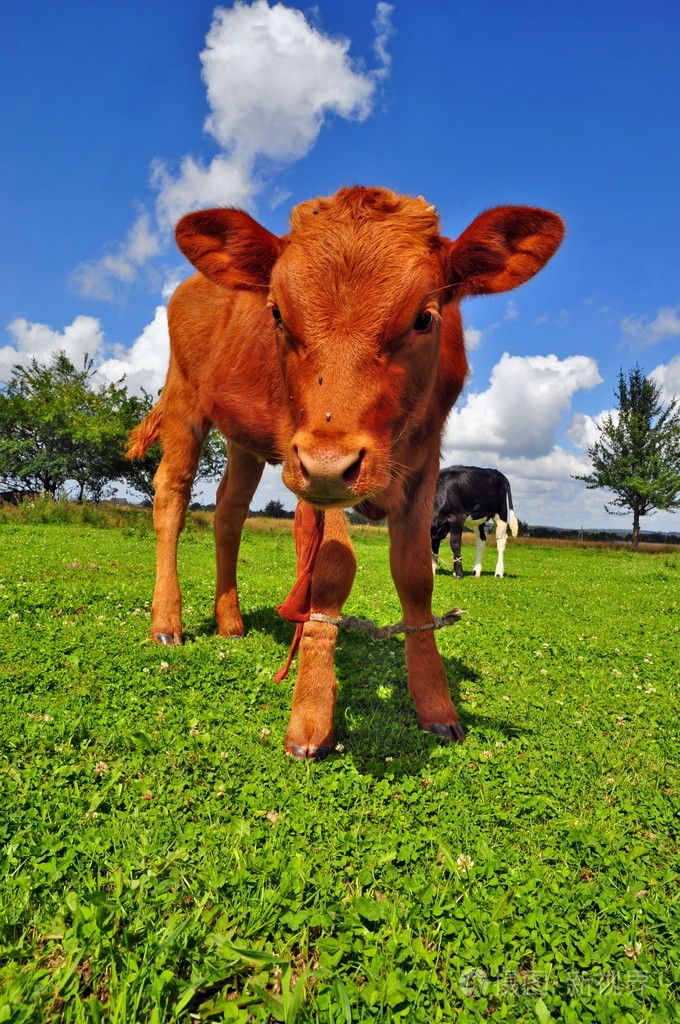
501,249
229,247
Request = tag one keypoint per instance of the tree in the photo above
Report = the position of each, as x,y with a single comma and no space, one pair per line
275,509
37,410
637,455
57,426
100,422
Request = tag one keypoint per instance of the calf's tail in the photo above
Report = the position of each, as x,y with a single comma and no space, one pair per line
512,520
145,433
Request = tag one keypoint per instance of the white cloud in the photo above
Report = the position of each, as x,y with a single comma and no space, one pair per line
473,338
173,278
98,279
550,469
272,81
512,426
31,340
145,363
561,319
668,379
222,183
511,311
639,334
584,430
545,494
382,25
272,78
525,403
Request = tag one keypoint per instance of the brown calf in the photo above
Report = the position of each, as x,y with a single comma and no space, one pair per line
338,351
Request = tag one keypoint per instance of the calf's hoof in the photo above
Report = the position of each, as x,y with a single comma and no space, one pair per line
307,753
167,639
454,733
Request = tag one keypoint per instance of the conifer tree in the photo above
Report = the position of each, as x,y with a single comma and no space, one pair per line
637,455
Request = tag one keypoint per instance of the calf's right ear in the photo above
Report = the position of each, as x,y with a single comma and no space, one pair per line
229,247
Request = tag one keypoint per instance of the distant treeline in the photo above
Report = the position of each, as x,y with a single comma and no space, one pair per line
275,510
608,536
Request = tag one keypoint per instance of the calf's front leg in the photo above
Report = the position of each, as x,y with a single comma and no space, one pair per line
310,730
412,575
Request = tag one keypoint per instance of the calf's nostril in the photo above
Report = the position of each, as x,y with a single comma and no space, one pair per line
352,472
303,468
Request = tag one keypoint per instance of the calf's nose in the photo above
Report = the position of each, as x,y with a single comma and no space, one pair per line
329,465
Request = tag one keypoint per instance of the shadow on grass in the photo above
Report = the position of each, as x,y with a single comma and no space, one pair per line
467,574
263,620
268,620
375,716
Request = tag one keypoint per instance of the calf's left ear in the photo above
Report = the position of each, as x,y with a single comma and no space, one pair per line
500,250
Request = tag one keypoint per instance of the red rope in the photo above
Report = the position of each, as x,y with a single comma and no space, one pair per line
297,607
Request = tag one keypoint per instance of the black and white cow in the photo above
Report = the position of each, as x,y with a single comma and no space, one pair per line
16,496
470,496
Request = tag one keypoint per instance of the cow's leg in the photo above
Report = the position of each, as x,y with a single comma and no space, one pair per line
310,730
479,552
234,495
456,541
501,541
409,562
182,440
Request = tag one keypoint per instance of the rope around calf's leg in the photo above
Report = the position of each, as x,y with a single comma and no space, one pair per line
382,632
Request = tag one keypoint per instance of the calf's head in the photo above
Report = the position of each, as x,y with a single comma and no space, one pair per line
362,296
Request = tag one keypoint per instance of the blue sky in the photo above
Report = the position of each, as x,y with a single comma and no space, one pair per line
569,106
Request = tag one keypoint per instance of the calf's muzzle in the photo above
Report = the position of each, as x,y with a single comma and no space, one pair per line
326,473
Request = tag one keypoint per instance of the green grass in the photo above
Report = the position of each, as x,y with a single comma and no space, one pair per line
162,860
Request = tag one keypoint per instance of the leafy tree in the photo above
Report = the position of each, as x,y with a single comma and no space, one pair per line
37,410
276,510
637,455
100,421
57,426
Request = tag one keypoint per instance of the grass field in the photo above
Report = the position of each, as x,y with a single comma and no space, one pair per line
162,860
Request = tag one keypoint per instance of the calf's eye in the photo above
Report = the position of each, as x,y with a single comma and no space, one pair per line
276,313
423,321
